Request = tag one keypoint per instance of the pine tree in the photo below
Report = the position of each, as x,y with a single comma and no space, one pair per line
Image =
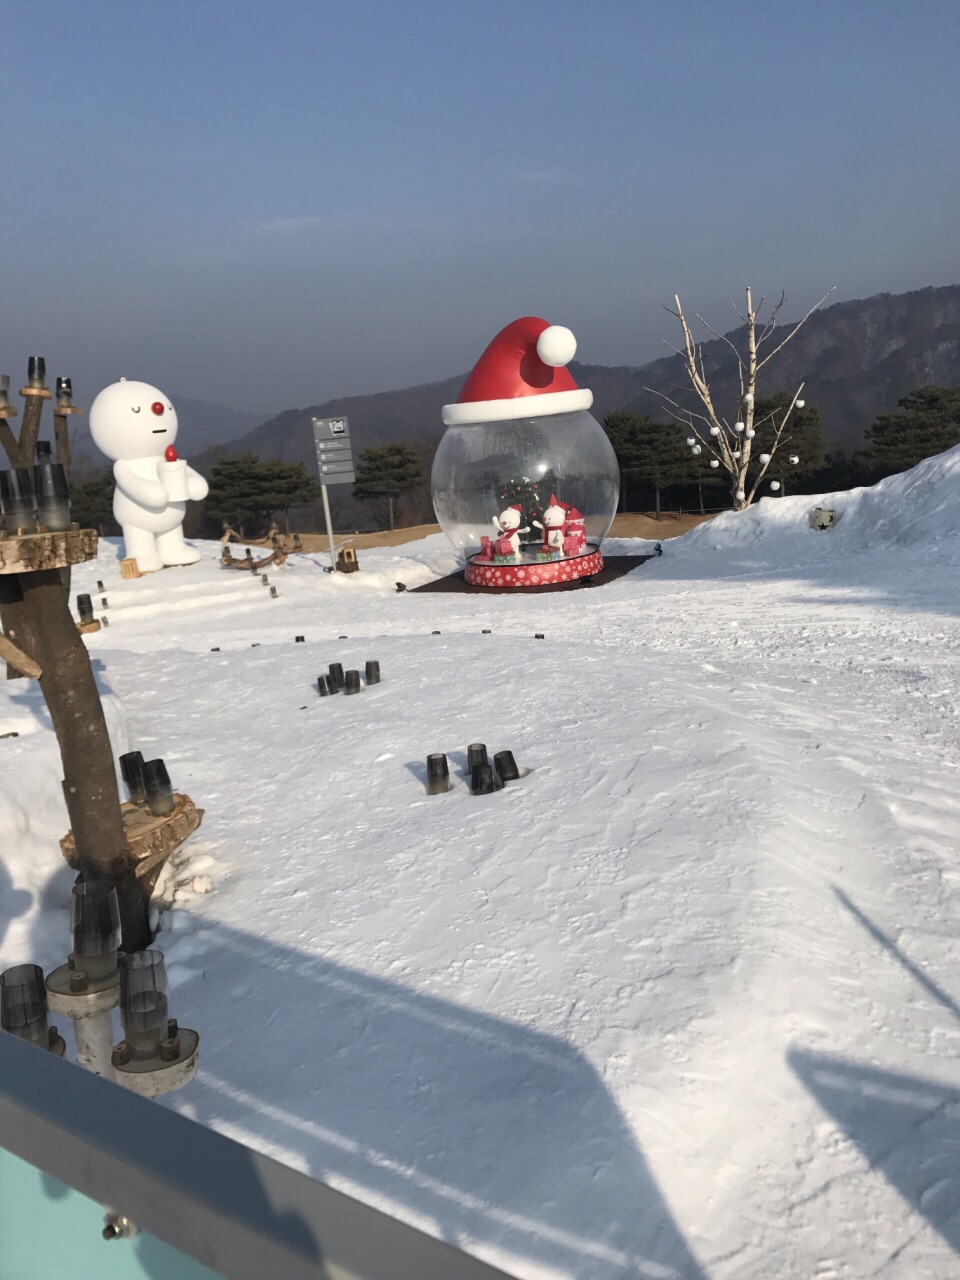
91,503
800,436
928,423
388,472
244,490
648,451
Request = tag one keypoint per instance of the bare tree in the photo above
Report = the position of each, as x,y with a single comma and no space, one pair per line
729,444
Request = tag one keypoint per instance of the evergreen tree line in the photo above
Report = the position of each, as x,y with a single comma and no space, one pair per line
655,460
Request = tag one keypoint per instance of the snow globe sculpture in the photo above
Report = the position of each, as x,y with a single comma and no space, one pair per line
525,482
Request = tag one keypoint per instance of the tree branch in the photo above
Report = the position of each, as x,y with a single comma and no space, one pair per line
796,329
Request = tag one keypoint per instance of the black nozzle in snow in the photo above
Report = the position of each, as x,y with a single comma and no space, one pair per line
17,502
434,633
100,586
103,603
323,686
264,579
352,682
85,609
95,928
481,780
438,774
538,635
156,783
273,593
372,672
336,677
131,770
506,766
104,622
23,1003
401,586
476,754
298,640
486,632
143,1001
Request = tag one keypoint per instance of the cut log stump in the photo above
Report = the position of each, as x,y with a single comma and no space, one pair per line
31,552
151,840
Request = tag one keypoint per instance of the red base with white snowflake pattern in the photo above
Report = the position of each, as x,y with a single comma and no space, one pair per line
482,572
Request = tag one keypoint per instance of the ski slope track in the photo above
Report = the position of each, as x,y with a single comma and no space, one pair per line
683,1001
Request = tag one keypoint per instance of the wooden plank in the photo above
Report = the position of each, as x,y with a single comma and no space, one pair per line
18,659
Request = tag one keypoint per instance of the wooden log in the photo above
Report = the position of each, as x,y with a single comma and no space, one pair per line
18,659
33,552
42,624
151,840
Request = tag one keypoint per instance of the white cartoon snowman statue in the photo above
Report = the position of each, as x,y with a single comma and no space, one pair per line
135,425
507,524
554,519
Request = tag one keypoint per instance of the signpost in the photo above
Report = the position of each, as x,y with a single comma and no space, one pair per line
334,463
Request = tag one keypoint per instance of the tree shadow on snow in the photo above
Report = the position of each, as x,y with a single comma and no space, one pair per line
13,902
475,1128
907,1127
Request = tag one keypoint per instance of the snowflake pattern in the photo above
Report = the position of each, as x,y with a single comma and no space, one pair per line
540,575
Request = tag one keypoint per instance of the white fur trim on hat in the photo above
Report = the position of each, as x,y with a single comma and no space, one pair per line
536,406
556,346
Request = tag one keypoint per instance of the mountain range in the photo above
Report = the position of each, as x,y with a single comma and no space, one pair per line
857,359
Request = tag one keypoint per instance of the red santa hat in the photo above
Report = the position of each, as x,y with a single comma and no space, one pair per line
522,374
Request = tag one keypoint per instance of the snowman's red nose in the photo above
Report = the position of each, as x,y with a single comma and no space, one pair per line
156,408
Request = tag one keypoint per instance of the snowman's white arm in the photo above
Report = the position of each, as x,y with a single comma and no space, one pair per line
537,524
497,525
197,487
146,493
525,529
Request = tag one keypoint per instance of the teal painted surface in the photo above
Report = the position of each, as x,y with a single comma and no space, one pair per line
50,1232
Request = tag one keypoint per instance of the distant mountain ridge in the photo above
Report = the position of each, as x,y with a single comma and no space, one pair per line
857,359
201,426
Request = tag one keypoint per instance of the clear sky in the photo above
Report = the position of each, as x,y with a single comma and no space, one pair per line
266,203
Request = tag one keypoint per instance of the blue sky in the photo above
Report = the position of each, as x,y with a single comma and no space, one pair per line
268,204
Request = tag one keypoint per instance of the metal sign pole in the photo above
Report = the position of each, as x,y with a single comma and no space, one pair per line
326,512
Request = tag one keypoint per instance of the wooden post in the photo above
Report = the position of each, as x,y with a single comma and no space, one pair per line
36,620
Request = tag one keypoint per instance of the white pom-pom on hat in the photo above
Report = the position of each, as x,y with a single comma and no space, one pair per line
556,346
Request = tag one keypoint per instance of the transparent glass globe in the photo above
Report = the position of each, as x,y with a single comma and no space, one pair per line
483,468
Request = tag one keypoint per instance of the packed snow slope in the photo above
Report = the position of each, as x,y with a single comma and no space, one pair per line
683,1001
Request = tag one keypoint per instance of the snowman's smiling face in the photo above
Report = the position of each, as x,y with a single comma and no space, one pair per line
132,420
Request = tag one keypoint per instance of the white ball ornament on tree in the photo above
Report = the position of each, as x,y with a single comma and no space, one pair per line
739,426
714,463
691,440
740,495
765,458
714,431
696,449
556,346
794,459
748,398
736,453
801,403
750,434
774,485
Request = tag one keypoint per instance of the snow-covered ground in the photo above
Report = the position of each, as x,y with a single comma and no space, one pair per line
683,1001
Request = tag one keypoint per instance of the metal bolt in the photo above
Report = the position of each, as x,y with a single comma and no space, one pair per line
121,1054
78,980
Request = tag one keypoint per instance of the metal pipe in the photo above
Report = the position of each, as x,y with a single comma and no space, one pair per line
326,515
93,1033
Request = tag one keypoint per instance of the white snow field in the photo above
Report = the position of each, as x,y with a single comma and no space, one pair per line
684,1001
